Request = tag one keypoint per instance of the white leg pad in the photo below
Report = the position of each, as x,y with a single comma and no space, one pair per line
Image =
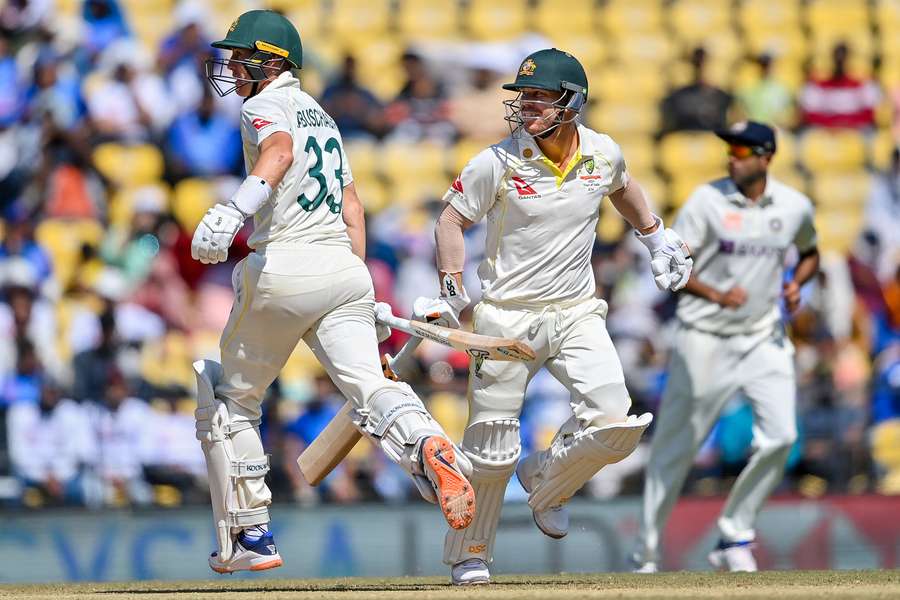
493,447
575,455
235,461
396,420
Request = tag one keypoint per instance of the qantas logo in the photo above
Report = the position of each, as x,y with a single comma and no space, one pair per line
457,186
526,192
260,123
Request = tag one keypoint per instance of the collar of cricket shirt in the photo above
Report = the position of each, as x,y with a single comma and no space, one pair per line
735,196
285,79
530,151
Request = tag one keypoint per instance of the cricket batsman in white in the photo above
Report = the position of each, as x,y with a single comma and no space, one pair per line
305,279
730,339
540,190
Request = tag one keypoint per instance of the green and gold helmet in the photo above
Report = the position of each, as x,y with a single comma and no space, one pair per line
269,36
554,70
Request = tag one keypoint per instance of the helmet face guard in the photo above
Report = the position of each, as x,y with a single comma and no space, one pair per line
572,98
223,80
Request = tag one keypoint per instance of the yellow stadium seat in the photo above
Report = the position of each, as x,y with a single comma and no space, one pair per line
887,16
785,45
378,63
837,15
428,19
611,225
838,229
461,153
786,153
639,152
654,188
845,191
129,165
880,149
122,202
353,17
642,50
415,170
832,150
63,240
626,83
682,153
769,15
623,120
629,16
886,444
573,17
694,18
363,157
790,176
496,19
862,51
307,15
190,201
373,193
166,361
590,50
683,185
69,8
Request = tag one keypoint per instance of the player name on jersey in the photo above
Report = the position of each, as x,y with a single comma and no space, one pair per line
313,117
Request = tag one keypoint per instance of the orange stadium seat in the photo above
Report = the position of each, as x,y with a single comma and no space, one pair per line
496,19
830,151
683,153
428,19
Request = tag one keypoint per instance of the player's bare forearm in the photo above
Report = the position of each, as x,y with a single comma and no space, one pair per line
276,153
631,202
449,241
355,219
807,267
695,287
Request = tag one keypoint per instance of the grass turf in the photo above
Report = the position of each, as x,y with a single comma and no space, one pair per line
768,585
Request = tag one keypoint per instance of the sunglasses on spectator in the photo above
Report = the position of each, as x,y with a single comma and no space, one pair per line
739,151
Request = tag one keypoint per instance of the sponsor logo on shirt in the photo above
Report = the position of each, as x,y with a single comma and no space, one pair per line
526,192
750,249
732,221
775,224
457,185
260,123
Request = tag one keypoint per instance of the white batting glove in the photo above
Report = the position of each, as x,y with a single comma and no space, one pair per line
454,294
382,331
215,233
670,258
435,310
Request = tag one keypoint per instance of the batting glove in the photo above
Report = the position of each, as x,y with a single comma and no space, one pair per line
382,331
435,310
670,258
215,233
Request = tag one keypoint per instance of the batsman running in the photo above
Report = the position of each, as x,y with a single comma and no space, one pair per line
540,190
304,279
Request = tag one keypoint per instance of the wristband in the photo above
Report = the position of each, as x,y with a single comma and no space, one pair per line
251,195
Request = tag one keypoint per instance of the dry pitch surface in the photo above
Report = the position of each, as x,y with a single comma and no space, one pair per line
769,585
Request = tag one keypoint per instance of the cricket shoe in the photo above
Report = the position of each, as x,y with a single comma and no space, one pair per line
250,554
645,567
554,521
733,556
454,492
473,571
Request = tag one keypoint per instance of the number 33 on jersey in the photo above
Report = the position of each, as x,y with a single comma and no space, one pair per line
306,206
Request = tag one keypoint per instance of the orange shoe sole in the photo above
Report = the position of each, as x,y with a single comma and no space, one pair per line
455,494
260,567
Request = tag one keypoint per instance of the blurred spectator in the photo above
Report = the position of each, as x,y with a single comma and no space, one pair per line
55,94
840,100
93,366
49,444
420,109
356,110
104,24
170,452
476,109
204,143
128,101
120,422
19,243
133,248
882,216
21,16
698,105
182,54
11,101
767,100
23,385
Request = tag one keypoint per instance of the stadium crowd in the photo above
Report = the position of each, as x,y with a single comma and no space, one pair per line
110,151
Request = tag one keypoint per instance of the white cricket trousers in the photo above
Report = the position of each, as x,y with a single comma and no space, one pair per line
322,294
705,371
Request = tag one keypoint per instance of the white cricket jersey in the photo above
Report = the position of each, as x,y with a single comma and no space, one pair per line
305,208
738,242
541,221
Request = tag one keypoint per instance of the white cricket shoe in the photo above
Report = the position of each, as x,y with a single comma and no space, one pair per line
472,571
554,521
646,567
734,557
257,555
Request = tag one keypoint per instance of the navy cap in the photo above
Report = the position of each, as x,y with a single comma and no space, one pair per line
750,133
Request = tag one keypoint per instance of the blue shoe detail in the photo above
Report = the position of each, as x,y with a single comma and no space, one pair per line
264,545
723,544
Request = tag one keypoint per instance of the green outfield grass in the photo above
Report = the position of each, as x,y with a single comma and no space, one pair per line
766,585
